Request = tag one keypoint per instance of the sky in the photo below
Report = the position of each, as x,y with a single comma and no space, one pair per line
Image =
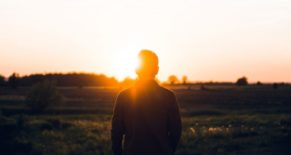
206,40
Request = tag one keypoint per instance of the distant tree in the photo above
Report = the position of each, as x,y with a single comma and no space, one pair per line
185,79
42,96
13,80
70,79
243,81
172,79
2,80
259,83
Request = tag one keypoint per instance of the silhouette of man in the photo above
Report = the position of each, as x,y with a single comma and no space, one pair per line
146,115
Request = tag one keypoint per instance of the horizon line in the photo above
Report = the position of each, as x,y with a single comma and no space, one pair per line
162,81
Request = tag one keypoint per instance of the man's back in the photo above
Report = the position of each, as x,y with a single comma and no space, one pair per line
148,116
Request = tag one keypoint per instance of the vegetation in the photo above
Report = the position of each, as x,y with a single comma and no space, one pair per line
173,79
223,119
66,80
43,95
184,79
90,134
243,81
2,80
13,80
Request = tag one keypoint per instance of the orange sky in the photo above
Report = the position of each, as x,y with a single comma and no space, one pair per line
203,39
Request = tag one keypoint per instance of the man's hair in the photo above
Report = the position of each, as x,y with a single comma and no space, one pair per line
148,57
149,62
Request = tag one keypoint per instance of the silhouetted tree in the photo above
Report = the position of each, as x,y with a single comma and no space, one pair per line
259,83
185,79
43,95
172,79
243,81
13,80
2,80
69,80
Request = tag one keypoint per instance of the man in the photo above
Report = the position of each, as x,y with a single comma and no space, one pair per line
146,115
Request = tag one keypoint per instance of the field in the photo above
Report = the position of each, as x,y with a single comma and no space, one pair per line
216,120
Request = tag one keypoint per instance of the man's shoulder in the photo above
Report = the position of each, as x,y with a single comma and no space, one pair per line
166,91
133,90
125,92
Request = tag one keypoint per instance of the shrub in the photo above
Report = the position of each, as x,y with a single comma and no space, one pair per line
185,79
2,80
172,79
42,96
243,81
13,80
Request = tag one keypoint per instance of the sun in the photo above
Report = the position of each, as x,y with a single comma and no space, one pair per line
126,62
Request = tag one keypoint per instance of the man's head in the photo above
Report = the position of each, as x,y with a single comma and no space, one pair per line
148,64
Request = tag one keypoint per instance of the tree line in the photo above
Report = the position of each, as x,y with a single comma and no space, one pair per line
99,80
61,79
75,80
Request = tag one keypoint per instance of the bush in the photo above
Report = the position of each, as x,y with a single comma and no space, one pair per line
173,79
42,96
2,80
243,81
13,80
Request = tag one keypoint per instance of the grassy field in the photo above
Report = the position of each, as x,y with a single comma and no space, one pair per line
216,120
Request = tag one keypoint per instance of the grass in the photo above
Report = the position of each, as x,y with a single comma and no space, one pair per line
232,121
90,134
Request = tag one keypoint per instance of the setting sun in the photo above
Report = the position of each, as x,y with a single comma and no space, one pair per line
125,63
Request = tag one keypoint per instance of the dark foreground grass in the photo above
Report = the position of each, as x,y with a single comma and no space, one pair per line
202,134
234,121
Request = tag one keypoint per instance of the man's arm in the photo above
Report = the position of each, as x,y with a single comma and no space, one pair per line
174,122
117,130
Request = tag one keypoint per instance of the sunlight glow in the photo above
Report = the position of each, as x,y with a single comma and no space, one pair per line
205,40
126,62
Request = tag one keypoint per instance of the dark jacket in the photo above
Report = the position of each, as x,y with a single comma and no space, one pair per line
148,118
